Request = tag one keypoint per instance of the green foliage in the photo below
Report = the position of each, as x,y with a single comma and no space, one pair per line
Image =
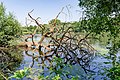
56,78
76,26
30,29
1,77
55,21
75,78
56,68
9,26
114,73
101,16
100,8
20,74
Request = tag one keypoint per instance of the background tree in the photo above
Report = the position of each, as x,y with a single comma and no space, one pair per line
53,21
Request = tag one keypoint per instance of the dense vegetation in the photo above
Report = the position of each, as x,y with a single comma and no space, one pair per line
10,30
9,27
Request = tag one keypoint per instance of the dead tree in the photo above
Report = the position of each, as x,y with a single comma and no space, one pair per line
64,43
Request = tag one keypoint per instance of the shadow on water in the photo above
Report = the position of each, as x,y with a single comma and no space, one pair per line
10,59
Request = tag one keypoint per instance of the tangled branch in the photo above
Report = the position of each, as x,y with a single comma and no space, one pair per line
64,43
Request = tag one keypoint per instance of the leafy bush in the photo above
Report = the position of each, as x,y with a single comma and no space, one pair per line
9,27
114,73
20,74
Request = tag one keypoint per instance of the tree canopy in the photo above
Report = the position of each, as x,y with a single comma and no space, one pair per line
57,21
104,15
101,16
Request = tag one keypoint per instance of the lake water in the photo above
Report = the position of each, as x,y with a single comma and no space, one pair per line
94,67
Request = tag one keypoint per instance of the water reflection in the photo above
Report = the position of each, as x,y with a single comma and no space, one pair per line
84,65
9,60
76,54
34,59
